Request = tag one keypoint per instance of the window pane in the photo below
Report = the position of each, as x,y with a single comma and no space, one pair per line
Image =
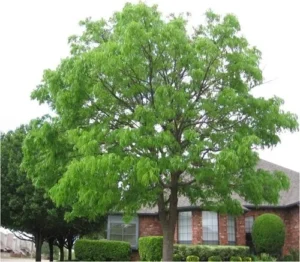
210,230
116,237
129,229
131,239
249,224
185,227
231,230
116,228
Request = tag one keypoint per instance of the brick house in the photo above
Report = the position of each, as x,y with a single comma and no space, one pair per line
197,226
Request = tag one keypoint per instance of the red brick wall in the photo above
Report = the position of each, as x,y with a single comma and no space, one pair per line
290,218
197,226
223,237
149,226
292,229
240,231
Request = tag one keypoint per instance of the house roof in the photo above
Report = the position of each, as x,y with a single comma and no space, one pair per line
287,198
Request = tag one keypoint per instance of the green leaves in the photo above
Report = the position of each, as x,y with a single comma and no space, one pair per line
142,106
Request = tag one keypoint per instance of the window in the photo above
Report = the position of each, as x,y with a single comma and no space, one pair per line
118,230
249,224
210,232
231,230
185,227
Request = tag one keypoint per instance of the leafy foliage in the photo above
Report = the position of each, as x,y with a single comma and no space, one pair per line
192,258
247,259
266,257
214,258
235,258
206,251
102,250
150,248
268,234
140,103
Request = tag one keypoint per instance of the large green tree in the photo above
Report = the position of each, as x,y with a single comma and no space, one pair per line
147,112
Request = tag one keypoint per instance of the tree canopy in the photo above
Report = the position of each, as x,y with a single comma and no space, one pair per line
29,210
147,112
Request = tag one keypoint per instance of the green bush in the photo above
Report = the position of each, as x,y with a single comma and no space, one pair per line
247,259
294,253
150,248
176,257
214,258
268,234
266,257
234,258
206,251
288,258
192,258
102,250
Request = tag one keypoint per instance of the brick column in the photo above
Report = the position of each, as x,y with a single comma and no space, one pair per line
240,231
223,236
197,227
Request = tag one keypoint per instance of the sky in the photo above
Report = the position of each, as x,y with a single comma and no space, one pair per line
34,38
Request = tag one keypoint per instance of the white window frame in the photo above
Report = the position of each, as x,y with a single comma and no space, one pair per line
185,227
210,220
115,219
231,230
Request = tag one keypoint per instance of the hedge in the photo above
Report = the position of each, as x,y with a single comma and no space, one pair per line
234,258
150,248
102,250
206,251
214,258
268,234
192,258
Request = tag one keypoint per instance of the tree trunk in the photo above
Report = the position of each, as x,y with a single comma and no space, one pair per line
51,242
38,246
61,243
70,242
168,217
61,253
168,241
69,254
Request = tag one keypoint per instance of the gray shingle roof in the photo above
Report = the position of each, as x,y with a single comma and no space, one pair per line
287,198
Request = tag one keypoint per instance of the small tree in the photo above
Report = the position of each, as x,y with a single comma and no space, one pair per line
268,234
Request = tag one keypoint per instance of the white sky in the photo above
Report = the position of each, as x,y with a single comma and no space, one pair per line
34,37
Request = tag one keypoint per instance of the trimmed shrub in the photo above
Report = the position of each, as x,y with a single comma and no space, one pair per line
214,258
288,258
150,248
233,258
266,257
294,253
177,257
192,258
247,259
268,234
206,251
102,250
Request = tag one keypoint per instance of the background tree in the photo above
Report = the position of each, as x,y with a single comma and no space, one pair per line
147,112
23,207
29,210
